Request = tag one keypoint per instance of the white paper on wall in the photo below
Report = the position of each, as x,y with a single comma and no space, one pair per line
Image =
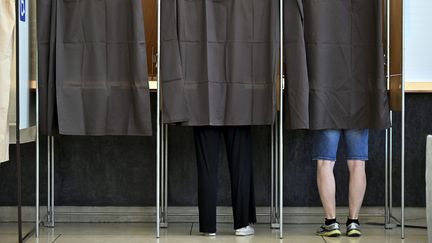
24,65
418,40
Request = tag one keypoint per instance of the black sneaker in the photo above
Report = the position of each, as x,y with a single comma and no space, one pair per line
353,230
332,230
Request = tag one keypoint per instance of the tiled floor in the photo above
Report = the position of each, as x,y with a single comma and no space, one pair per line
188,233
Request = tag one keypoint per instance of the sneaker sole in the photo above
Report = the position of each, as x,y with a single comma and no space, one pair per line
244,234
354,233
333,233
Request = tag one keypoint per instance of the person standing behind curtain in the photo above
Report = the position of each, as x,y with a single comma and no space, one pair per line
218,72
325,145
335,86
238,142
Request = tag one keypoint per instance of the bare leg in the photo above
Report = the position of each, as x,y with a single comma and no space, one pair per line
327,187
357,186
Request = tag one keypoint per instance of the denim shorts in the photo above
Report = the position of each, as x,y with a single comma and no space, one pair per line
325,144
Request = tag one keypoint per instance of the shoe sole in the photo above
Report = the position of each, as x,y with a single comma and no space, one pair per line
354,233
244,234
333,233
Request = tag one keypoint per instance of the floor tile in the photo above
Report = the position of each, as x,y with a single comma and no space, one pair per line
189,233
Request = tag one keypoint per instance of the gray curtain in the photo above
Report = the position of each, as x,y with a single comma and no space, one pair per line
219,61
92,68
334,65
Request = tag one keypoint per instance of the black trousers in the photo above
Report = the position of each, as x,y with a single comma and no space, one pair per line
238,142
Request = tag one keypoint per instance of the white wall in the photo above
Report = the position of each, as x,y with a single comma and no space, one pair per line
418,40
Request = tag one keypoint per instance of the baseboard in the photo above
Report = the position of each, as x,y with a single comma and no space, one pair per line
188,214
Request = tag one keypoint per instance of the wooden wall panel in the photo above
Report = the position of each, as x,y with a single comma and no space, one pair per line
150,23
396,37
